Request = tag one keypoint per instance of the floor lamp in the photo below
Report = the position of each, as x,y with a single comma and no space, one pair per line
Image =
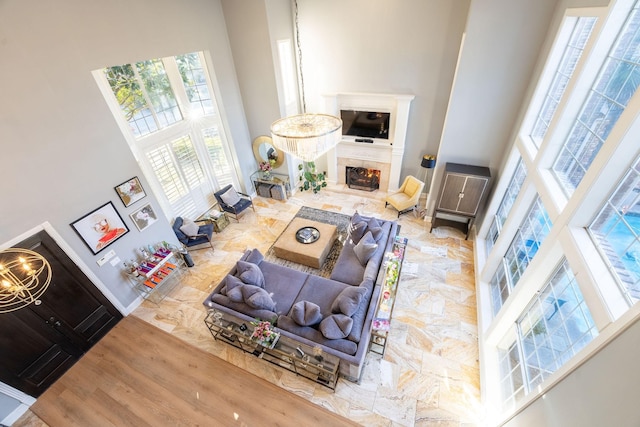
428,163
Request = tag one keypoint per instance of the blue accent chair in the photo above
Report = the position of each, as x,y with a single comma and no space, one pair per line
205,232
234,210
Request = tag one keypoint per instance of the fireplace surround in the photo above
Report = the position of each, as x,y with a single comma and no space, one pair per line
383,155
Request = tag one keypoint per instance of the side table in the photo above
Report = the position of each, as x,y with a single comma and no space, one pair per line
274,186
219,223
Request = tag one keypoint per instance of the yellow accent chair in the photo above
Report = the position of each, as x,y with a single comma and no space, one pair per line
407,196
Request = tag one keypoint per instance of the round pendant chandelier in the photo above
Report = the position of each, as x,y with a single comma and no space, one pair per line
307,136
24,276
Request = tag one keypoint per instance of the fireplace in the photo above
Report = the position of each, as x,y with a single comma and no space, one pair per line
384,155
362,178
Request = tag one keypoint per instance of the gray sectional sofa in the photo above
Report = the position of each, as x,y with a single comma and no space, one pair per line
334,313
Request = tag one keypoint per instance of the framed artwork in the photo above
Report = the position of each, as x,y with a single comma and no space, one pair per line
130,191
144,217
101,227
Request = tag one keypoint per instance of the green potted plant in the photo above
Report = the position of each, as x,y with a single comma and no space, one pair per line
310,179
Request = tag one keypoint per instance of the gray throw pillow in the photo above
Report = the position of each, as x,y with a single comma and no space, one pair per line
235,294
306,313
189,227
365,248
376,233
250,273
357,228
230,197
257,298
348,301
373,223
336,326
230,282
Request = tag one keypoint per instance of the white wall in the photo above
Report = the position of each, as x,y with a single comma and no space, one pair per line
253,28
385,46
250,42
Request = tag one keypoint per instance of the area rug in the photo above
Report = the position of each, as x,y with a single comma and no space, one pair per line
341,221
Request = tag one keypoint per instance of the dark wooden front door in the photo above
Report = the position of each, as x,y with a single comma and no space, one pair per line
39,343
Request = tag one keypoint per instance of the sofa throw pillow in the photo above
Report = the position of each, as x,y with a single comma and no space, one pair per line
336,326
357,228
348,301
306,313
365,248
230,282
373,223
376,233
189,227
235,294
250,273
257,297
230,197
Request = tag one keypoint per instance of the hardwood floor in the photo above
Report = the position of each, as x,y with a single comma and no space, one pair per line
139,375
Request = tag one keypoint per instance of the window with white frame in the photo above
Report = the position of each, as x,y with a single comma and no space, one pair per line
617,81
170,118
511,375
287,74
552,329
509,198
527,240
145,96
499,288
616,230
549,322
579,29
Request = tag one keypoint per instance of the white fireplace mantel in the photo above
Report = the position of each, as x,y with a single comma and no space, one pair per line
388,152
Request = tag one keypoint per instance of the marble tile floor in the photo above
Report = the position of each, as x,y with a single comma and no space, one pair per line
429,375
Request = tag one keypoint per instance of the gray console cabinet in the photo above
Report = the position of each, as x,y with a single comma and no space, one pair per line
462,192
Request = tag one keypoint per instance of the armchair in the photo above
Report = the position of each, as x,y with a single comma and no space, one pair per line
195,235
407,196
233,202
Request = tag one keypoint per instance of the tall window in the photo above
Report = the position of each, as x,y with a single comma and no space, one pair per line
173,127
287,74
499,289
547,321
555,326
194,78
145,95
580,31
526,242
616,231
617,81
506,204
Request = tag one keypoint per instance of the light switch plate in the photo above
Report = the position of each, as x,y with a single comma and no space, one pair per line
106,257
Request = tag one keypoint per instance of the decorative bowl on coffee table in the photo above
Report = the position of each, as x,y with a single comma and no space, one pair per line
307,235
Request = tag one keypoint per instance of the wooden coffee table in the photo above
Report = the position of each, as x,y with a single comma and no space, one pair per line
310,254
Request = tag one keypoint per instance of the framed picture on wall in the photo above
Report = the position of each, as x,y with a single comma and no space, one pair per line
100,227
130,191
144,217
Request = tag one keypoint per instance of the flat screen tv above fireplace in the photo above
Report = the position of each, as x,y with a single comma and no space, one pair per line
365,124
